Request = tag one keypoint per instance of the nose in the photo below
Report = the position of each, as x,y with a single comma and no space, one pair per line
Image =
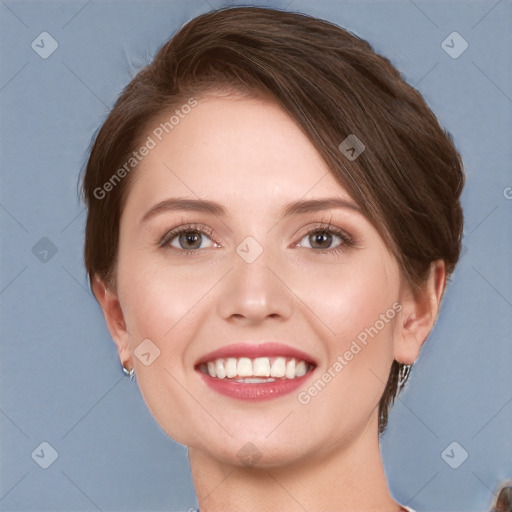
255,290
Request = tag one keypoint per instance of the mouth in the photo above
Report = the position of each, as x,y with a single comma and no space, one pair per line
259,371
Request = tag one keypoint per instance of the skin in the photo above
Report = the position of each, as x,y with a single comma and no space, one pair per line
249,156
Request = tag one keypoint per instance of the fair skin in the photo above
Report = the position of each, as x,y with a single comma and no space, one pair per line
250,157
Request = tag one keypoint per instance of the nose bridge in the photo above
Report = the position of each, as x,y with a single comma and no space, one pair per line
251,289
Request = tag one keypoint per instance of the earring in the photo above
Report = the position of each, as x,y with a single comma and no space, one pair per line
128,373
403,375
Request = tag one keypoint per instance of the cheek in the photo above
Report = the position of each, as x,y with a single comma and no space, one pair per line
159,306
158,295
356,303
351,297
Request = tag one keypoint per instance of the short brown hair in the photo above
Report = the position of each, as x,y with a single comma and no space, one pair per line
407,181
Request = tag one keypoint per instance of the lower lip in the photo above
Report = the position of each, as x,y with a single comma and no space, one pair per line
255,392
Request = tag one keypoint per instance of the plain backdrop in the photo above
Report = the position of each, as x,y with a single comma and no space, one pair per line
60,377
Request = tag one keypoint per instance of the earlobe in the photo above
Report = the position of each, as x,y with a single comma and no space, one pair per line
419,314
114,317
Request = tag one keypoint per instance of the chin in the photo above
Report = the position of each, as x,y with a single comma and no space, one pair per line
256,450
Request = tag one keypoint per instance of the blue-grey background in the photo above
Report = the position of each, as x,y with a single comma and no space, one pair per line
60,375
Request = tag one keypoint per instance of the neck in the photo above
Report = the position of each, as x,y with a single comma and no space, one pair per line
348,478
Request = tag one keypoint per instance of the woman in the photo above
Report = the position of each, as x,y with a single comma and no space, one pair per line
272,216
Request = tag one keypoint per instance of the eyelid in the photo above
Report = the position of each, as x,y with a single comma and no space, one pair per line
187,226
347,242
209,232
328,227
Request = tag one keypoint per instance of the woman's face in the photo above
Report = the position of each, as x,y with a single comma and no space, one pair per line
248,272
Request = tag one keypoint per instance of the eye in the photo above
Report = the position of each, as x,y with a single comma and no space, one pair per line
322,238
188,238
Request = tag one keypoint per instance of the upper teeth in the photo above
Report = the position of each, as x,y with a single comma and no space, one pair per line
259,367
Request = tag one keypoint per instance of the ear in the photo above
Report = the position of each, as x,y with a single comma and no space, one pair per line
114,317
419,313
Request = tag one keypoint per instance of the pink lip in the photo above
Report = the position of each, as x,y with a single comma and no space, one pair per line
255,392
269,349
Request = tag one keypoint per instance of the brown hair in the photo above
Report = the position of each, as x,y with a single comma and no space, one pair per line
407,181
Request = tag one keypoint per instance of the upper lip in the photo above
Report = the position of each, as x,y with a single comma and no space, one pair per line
253,350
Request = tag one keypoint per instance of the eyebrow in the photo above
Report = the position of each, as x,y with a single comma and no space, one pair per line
204,205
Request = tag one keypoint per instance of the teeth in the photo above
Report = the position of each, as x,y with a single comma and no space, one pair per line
230,367
220,371
279,367
261,367
254,381
244,367
290,369
258,370
300,368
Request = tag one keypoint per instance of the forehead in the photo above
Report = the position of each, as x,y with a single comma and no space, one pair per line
234,149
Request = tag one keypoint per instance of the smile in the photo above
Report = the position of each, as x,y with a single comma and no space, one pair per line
257,370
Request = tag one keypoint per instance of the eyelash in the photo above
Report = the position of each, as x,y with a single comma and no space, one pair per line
204,230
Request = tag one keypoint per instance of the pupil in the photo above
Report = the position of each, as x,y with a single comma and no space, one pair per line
189,237
322,236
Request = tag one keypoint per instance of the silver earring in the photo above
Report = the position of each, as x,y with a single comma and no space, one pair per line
129,373
405,370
